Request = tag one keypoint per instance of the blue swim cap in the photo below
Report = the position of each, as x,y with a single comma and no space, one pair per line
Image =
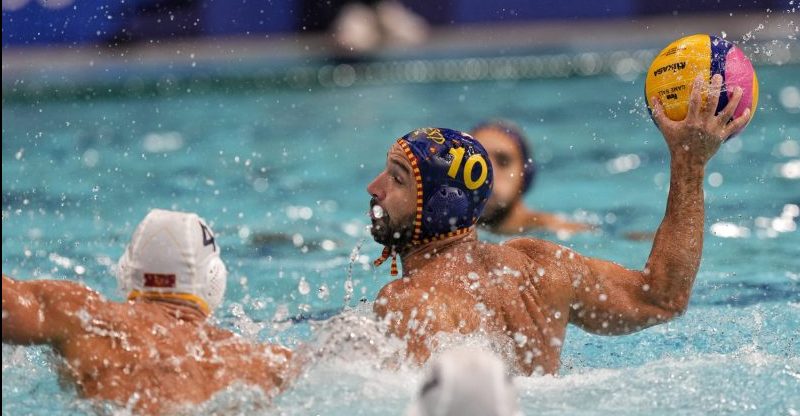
515,132
454,180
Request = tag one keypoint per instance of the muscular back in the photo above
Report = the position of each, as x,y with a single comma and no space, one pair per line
479,286
145,355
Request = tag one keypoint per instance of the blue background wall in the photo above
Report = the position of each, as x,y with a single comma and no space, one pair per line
95,21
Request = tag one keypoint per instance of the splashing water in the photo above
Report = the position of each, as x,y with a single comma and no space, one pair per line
348,283
377,211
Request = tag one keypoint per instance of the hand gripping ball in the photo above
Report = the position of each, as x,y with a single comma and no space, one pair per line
672,72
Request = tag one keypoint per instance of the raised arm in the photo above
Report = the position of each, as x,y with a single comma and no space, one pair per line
610,299
42,311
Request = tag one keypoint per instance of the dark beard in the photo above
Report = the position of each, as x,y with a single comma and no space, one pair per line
385,232
495,218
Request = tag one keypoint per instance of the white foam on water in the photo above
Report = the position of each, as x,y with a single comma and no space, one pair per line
698,384
354,368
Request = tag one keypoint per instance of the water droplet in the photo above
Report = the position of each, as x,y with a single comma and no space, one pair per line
377,211
303,286
323,292
715,179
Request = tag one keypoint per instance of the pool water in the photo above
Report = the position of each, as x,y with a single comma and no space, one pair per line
281,174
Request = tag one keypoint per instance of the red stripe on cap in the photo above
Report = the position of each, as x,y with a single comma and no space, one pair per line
159,280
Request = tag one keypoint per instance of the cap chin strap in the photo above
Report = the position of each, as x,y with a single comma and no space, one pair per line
388,252
182,297
392,251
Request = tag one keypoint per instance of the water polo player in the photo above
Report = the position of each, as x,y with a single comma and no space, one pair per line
156,352
514,173
424,208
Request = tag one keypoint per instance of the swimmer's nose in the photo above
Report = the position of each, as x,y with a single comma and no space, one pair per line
375,189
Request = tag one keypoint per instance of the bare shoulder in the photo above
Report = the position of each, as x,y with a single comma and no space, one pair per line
407,294
535,248
393,296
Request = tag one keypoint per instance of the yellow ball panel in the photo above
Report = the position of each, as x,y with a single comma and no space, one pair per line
671,74
755,95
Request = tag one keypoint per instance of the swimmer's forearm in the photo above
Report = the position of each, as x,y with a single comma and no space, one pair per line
678,244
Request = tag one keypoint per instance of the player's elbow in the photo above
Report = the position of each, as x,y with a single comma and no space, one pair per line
673,308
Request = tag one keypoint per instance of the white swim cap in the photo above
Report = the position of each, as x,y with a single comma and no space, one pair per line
173,255
466,382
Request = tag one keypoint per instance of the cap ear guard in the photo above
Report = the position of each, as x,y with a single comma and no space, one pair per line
124,273
216,276
446,208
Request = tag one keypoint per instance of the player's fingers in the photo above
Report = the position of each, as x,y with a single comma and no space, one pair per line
696,97
712,100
